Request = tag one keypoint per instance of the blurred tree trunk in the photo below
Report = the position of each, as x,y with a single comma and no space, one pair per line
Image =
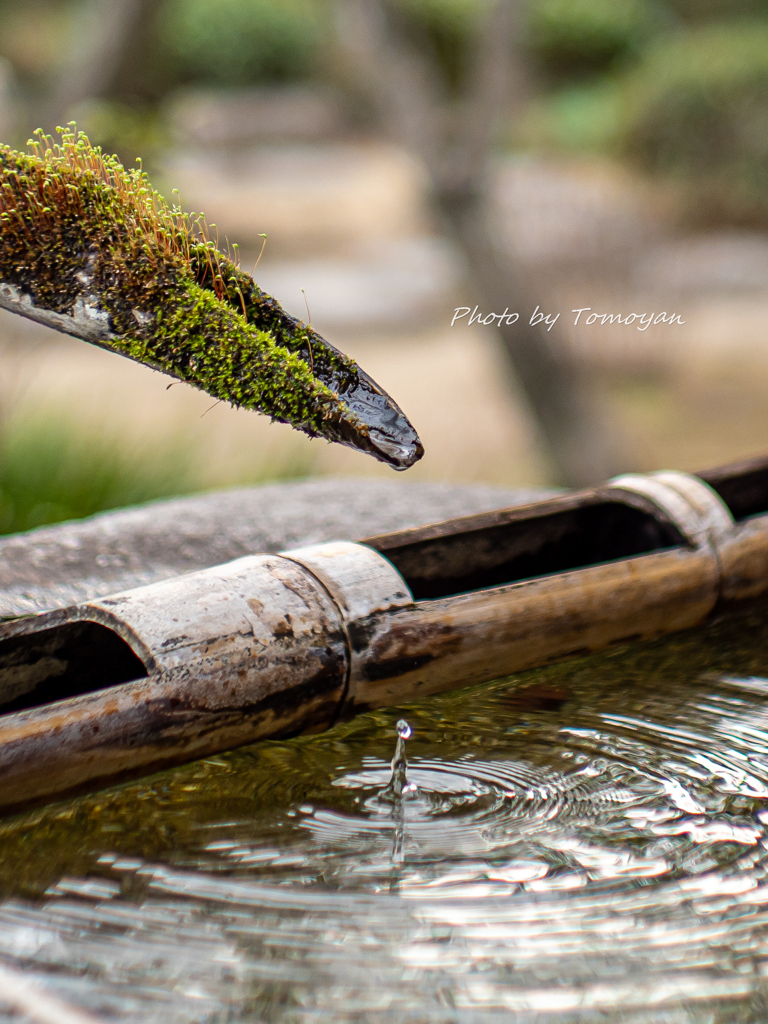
454,139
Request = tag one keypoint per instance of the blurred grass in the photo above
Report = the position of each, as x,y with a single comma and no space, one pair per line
54,469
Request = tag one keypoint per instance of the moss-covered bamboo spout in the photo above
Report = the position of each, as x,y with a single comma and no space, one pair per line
89,248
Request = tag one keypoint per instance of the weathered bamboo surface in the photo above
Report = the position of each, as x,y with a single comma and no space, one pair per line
743,552
252,649
469,638
277,645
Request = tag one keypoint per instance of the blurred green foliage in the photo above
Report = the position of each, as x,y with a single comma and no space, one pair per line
676,85
571,39
577,38
696,12
680,87
240,42
696,108
214,42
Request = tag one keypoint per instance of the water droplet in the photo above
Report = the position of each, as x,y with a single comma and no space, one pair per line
398,784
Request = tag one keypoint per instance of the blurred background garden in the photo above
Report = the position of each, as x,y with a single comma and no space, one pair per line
618,151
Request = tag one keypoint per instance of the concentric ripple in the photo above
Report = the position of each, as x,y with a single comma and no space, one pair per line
587,843
598,818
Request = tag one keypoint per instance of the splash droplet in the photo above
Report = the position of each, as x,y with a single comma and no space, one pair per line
398,784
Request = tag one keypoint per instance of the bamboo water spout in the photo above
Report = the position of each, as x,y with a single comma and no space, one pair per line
276,645
91,250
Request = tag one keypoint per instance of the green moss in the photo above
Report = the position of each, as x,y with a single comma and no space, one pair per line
78,227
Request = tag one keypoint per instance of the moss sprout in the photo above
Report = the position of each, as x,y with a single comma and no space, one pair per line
91,248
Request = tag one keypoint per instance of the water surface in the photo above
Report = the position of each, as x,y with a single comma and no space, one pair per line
581,843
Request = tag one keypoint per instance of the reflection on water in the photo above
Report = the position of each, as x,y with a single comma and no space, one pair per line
582,843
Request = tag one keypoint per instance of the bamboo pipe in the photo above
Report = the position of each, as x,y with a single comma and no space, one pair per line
88,248
743,552
277,645
253,649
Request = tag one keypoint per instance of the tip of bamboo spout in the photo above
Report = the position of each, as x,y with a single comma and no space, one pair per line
378,426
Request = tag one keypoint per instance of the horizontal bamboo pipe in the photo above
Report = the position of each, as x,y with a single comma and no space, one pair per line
277,645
